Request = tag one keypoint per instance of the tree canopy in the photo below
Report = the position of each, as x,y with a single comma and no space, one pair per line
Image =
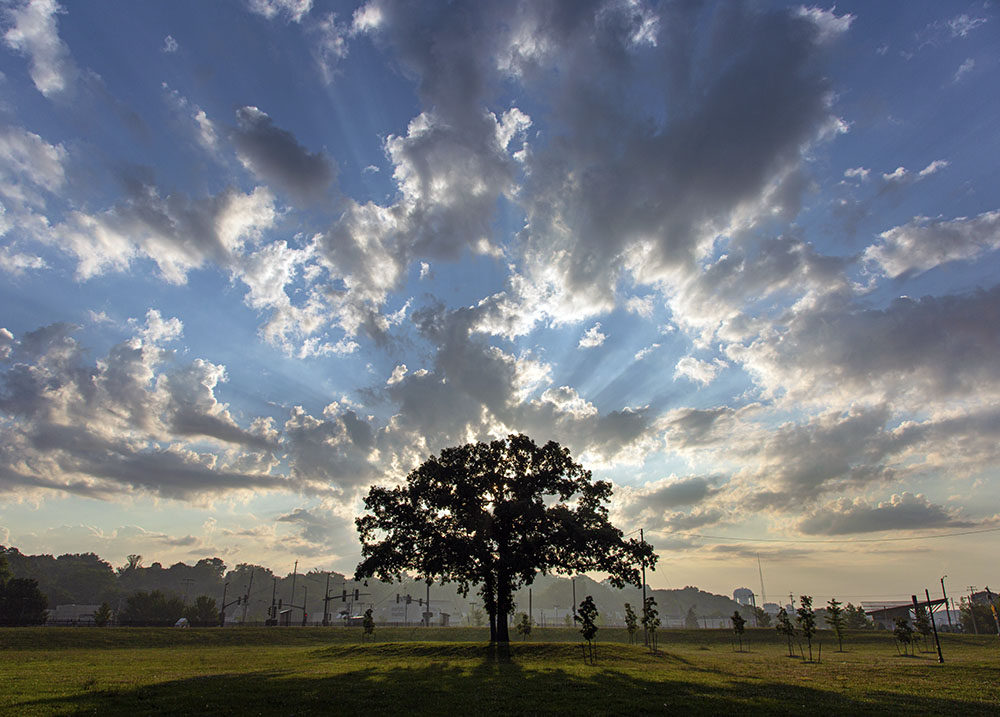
494,515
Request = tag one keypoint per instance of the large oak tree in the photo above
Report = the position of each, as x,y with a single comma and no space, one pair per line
494,515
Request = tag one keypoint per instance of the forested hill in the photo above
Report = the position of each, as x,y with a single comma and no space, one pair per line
86,579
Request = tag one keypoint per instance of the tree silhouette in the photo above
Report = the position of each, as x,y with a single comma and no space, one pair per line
631,623
494,515
524,625
650,621
691,619
922,623
807,621
203,613
785,627
102,616
369,625
902,632
835,618
739,623
586,614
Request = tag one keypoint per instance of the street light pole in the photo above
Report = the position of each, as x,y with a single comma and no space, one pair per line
946,610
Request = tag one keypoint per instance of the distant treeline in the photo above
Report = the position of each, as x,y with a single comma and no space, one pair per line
87,579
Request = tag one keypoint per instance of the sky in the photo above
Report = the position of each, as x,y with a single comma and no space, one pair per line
739,258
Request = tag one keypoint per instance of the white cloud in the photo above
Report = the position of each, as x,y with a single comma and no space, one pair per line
857,173
293,10
898,174
641,305
935,166
592,337
827,22
33,32
702,372
964,69
924,243
962,25
397,374
643,353
170,44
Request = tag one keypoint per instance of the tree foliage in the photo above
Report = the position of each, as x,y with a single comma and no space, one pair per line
368,624
523,625
784,627
586,614
22,603
495,515
203,613
153,608
691,619
856,619
903,633
806,619
835,619
102,615
631,623
650,621
739,626
763,618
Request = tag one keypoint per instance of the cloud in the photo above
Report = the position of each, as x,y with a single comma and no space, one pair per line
901,512
274,155
697,370
170,44
291,10
857,173
964,69
122,422
962,25
837,352
330,45
592,337
177,232
925,243
644,352
32,31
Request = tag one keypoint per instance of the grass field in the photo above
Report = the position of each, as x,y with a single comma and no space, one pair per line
452,671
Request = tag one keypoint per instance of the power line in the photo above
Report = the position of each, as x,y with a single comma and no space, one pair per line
836,540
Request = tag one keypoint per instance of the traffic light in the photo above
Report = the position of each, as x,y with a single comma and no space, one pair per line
409,599
343,595
357,594
397,598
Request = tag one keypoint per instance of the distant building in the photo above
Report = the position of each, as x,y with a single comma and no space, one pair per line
772,608
72,614
743,596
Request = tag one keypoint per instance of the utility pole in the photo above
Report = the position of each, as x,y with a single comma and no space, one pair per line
645,632
573,581
946,610
427,612
930,611
273,612
305,601
291,599
531,617
972,609
760,571
326,602
246,598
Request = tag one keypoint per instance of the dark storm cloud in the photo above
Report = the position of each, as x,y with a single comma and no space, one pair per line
901,512
274,155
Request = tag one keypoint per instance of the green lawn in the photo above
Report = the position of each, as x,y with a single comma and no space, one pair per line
444,670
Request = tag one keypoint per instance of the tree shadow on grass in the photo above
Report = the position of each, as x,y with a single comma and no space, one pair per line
483,686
